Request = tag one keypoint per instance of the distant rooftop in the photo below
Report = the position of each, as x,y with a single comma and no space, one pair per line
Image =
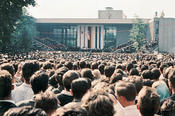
87,21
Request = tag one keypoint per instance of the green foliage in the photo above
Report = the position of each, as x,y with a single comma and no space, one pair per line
138,33
24,33
10,13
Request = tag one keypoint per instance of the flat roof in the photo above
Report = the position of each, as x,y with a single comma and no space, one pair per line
87,21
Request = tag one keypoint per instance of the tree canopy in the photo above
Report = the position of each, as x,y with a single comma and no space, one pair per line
138,33
10,13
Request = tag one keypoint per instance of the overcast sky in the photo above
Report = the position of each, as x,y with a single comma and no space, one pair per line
89,8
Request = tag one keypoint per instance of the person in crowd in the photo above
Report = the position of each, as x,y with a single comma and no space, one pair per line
98,103
5,92
47,101
25,111
65,96
39,83
70,110
79,87
24,91
168,108
126,94
148,101
171,82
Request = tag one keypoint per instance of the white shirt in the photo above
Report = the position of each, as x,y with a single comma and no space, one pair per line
126,111
23,92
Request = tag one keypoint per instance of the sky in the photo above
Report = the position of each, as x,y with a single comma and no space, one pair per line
89,8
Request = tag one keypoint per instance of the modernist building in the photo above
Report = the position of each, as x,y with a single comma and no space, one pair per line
109,30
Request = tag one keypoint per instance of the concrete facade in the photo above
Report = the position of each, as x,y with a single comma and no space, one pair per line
167,35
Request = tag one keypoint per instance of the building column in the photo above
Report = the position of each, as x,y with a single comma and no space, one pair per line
86,36
98,37
102,37
79,36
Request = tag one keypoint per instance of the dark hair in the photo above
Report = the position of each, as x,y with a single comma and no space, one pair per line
28,69
94,65
148,101
101,68
80,87
98,103
156,73
39,81
171,77
5,84
162,66
126,89
129,66
168,108
9,67
137,81
46,101
69,65
116,77
144,67
87,73
134,71
48,65
82,64
147,74
68,77
71,110
25,111
109,70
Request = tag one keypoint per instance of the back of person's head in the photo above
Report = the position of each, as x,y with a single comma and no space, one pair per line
126,89
75,65
73,110
147,74
80,87
137,81
82,64
39,81
9,67
68,77
156,73
28,69
87,73
162,66
69,65
5,84
98,103
171,78
147,82
119,71
109,70
134,71
129,66
101,68
94,65
168,108
48,65
96,73
115,77
46,101
144,67
25,111
148,101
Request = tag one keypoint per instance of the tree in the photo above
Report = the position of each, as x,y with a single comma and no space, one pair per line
25,32
138,33
10,13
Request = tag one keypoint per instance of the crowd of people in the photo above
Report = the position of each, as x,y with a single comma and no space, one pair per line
87,84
